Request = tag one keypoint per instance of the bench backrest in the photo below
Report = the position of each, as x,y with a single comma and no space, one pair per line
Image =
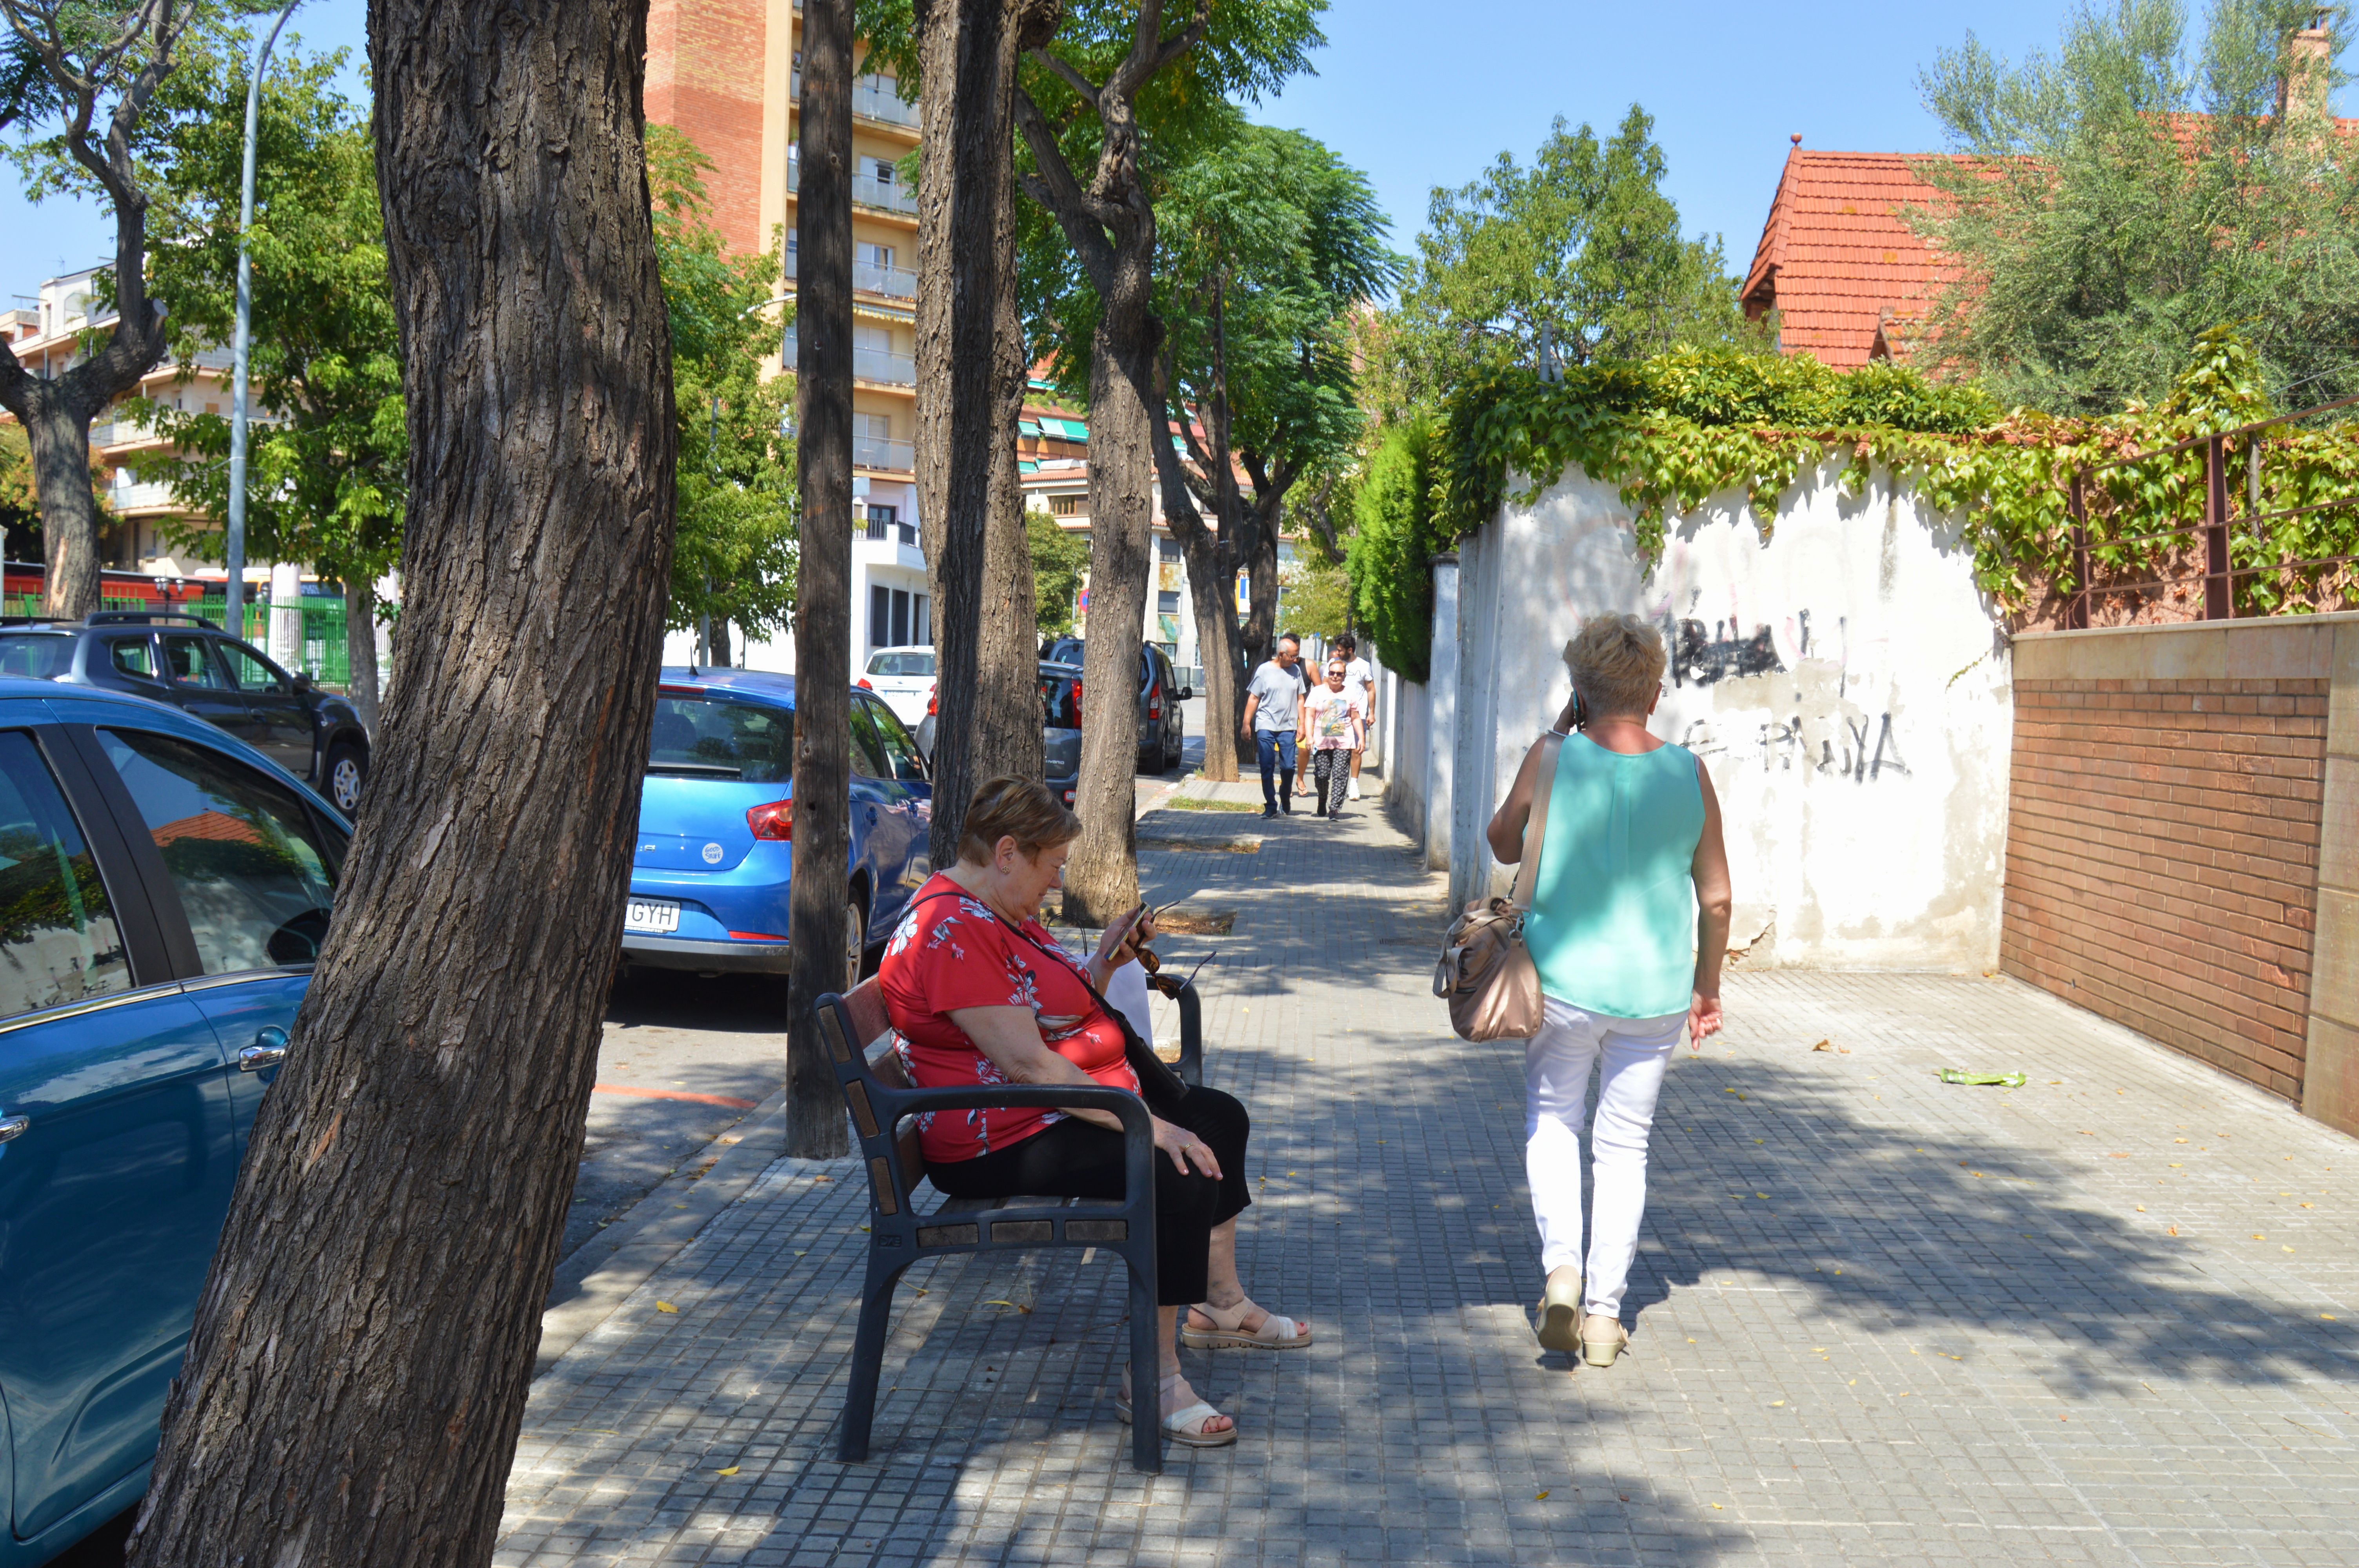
859,1039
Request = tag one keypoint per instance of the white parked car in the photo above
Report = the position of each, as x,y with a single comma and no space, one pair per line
904,677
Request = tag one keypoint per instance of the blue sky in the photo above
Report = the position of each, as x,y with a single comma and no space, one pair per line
1425,95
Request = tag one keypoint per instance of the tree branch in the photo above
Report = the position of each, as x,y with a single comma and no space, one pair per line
1082,217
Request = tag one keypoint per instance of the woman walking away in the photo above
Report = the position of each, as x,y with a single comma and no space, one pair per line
1629,926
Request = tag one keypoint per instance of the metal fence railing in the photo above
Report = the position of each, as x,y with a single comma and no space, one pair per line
2215,534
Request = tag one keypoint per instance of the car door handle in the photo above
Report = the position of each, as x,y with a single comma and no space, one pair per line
872,814
10,1126
269,1049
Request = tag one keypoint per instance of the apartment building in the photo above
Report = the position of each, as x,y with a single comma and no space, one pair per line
728,74
45,333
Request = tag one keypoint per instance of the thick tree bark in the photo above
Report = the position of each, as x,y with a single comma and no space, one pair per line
971,374
819,901
1110,224
1102,876
360,647
362,1352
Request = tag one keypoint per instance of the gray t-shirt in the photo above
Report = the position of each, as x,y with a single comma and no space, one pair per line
1279,696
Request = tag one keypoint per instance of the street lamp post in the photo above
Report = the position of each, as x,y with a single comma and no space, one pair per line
243,345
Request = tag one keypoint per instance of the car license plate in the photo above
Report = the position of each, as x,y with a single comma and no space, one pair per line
659,916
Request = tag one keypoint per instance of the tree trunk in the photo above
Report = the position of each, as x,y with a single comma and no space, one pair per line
360,647
1261,631
1101,877
362,1352
971,375
1213,593
818,901
59,436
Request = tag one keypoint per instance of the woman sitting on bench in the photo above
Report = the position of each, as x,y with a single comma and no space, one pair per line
979,993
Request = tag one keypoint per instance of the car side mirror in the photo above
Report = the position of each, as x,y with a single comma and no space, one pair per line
1187,692
302,681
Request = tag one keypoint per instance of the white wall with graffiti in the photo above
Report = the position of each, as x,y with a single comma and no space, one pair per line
1845,683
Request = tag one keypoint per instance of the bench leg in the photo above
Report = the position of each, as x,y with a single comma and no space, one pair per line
867,1358
1146,1361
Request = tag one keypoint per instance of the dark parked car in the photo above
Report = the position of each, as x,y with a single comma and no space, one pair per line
168,890
1162,733
191,664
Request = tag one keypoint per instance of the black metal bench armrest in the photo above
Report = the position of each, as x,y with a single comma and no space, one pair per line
1191,1023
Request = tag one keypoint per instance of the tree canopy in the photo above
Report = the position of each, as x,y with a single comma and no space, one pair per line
1581,247
2116,198
736,554
327,452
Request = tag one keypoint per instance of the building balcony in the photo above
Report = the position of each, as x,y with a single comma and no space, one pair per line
879,365
153,495
878,195
872,278
868,102
120,433
883,456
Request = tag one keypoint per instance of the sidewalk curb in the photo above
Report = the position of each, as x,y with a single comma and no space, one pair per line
603,1272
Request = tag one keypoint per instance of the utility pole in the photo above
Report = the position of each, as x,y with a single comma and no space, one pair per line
244,348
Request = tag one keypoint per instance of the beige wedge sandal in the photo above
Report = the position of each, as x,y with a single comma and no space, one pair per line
1228,1331
1559,1311
1184,1427
1597,1348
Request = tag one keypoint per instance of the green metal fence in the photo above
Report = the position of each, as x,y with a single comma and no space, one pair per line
323,649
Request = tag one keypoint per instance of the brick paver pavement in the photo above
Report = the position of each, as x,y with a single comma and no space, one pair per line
2110,1317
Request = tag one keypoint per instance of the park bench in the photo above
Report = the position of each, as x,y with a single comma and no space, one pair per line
882,1103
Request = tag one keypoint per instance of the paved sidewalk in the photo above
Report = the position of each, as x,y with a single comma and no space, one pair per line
2112,1317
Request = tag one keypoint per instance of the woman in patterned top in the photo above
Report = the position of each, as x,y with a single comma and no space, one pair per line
979,991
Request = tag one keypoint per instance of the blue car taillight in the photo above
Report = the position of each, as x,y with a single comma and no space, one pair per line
776,821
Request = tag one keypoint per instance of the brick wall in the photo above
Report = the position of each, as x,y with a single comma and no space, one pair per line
2162,855
705,75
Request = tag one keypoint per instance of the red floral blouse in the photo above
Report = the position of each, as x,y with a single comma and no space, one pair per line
951,951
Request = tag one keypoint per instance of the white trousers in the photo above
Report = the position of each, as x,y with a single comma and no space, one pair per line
1635,1050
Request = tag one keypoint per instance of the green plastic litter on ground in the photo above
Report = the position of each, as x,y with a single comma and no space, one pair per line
2004,1080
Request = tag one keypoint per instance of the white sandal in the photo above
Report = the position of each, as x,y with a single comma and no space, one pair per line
1184,1427
1228,1330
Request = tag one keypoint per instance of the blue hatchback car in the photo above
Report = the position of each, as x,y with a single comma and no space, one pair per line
164,889
717,825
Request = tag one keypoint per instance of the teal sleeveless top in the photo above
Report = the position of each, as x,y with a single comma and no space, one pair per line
1613,920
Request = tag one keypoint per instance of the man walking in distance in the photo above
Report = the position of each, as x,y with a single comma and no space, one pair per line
1360,681
1273,710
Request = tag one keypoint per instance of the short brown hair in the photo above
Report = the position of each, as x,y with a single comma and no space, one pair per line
1012,807
1616,662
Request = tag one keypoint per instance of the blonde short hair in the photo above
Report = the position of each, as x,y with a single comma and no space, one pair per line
1019,808
1616,661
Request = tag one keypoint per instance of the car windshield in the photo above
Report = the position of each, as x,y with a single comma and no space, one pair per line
709,737
41,655
901,663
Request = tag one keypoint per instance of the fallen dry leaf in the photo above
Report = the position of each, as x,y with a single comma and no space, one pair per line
666,1306
1540,1497
2174,1230
1824,1046
731,1471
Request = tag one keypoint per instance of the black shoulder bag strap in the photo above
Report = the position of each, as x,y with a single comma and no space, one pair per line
1158,1086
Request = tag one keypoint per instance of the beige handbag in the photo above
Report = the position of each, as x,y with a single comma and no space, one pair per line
1486,973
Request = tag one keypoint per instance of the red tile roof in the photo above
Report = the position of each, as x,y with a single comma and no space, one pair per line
1837,259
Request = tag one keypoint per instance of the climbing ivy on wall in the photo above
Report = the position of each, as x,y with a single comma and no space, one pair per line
1676,430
